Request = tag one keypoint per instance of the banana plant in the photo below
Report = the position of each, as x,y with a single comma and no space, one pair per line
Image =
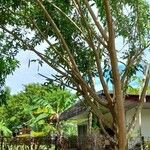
4,131
45,113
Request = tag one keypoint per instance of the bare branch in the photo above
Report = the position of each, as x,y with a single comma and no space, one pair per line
84,85
98,113
143,93
109,21
131,61
120,110
102,31
100,72
112,50
91,44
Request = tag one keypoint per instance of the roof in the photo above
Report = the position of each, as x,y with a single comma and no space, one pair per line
131,100
74,110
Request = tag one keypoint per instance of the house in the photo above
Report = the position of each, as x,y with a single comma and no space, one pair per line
79,114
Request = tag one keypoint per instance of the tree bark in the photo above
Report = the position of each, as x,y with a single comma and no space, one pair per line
90,118
119,106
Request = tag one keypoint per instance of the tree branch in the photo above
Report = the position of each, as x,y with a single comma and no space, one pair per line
31,48
98,113
91,44
57,81
131,61
74,67
106,133
50,44
100,28
58,33
77,27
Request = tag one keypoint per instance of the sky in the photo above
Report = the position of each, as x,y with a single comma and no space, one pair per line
25,74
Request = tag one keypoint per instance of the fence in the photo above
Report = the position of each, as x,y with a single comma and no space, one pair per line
45,143
23,143
91,142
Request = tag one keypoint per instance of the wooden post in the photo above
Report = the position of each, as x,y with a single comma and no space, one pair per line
89,128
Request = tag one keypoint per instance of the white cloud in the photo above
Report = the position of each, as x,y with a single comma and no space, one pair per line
24,74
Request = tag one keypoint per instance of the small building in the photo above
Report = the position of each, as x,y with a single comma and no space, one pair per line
80,114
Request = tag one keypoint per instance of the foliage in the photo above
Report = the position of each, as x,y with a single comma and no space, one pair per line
69,129
51,101
4,131
4,96
8,63
147,144
136,86
34,106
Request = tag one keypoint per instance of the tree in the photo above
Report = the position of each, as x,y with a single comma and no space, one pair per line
4,95
35,106
47,104
8,64
82,46
4,130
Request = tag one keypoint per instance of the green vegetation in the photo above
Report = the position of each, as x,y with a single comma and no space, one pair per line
38,107
8,64
137,87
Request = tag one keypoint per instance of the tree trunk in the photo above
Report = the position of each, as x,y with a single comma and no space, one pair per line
118,93
121,125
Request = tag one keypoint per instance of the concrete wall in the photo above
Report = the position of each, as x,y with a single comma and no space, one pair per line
145,122
129,116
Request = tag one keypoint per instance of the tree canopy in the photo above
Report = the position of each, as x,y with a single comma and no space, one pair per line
8,63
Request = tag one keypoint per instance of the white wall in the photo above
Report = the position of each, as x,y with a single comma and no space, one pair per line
129,116
146,122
